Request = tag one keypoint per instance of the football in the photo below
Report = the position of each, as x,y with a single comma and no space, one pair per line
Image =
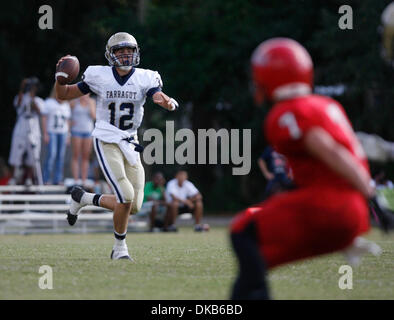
68,70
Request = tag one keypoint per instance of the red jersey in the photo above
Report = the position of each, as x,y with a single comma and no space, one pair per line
288,123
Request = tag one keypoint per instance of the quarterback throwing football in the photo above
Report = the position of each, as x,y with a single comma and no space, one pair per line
328,210
121,90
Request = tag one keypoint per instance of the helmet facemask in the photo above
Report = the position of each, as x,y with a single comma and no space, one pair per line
124,61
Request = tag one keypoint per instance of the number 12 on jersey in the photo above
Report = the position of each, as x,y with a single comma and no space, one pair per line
126,111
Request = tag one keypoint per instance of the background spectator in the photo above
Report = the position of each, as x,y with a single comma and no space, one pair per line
26,136
82,125
154,201
182,196
274,167
55,125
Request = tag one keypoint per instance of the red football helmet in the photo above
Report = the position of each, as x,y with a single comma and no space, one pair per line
281,69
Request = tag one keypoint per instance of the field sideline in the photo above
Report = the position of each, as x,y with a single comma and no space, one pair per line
183,265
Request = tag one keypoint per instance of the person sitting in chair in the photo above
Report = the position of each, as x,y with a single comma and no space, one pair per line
154,201
182,197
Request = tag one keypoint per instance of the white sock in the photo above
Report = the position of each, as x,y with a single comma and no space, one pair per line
120,242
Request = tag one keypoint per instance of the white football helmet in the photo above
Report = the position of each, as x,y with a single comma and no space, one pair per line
122,40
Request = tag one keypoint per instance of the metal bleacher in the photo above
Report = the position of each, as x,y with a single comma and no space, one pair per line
42,209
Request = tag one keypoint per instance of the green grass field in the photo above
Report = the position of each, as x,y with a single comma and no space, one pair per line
183,265
389,195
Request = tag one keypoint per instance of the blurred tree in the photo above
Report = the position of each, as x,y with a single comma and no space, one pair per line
202,50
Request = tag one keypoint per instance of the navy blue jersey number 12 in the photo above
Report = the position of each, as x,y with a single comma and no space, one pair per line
125,121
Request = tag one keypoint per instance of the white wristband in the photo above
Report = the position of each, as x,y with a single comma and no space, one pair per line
174,104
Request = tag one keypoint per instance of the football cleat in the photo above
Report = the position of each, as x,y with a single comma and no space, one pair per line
76,196
71,218
120,252
359,247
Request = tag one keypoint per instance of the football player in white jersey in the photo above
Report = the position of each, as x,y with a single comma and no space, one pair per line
121,90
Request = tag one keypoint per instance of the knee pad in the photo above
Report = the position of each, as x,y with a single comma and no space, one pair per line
126,189
137,201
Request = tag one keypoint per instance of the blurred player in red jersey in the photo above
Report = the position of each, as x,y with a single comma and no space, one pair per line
328,210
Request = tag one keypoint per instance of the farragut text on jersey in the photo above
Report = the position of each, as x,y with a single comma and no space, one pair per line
121,94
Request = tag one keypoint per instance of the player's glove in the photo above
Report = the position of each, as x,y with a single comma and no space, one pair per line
383,216
174,104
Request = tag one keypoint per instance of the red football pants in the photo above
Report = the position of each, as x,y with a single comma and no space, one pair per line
305,223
